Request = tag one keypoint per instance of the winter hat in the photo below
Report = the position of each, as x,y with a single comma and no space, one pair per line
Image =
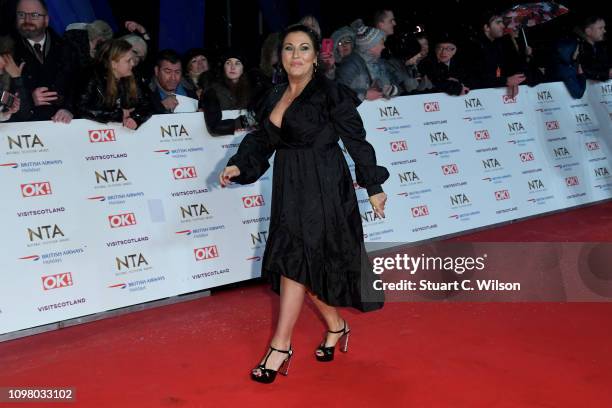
368,37
232,54
99,29
342,34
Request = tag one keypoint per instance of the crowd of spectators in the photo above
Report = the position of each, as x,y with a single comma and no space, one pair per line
92,72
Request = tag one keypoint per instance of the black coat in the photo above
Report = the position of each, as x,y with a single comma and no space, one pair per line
25,100
56,73
440,73
594,61
215,99
91,102
315,235
490,64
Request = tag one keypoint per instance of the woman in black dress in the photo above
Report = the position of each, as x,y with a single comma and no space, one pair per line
315,242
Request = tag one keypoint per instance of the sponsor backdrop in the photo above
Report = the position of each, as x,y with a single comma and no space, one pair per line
98,217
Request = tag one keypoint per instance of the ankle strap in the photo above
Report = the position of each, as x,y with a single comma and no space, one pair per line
339,331
282,351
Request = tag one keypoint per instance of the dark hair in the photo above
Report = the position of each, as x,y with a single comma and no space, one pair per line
296,28
486,17
167,55
43,3
589,21
189,55
379,16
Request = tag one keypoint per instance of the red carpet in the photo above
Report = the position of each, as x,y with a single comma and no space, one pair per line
199,353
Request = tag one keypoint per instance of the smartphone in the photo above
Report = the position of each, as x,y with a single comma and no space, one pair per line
7,99
327,46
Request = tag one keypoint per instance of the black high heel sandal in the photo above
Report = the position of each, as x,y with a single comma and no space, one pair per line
267,374
328,352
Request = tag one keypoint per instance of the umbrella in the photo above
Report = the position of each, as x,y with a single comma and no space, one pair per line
531,14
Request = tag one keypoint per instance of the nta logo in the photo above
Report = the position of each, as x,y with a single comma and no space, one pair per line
438,137
122,220
25,142
491,163
60,280
601,172
459,199
544,96
194,210
582,118
561,151
110,176
131,261
408,177
472,103
535,184
44,232
516,127
102,136
173,131
388,112
36,189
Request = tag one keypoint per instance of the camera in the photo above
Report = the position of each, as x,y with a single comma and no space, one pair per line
6,100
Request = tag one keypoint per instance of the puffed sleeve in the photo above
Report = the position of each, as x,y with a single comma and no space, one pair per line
252,157
349,127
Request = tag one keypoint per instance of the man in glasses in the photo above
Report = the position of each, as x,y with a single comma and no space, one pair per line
48,65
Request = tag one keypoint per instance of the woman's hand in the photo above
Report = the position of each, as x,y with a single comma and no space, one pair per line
227,174
378,204
14,108
130,123
132,26
11,67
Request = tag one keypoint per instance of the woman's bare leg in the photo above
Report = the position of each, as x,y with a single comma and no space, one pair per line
332,318
291,300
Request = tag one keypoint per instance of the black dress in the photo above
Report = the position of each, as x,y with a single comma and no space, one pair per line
315,235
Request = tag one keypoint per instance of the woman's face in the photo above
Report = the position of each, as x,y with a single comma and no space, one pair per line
123,66
198,64
298,55
345,47
233,69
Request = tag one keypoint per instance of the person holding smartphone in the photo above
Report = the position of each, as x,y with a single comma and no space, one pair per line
14,100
